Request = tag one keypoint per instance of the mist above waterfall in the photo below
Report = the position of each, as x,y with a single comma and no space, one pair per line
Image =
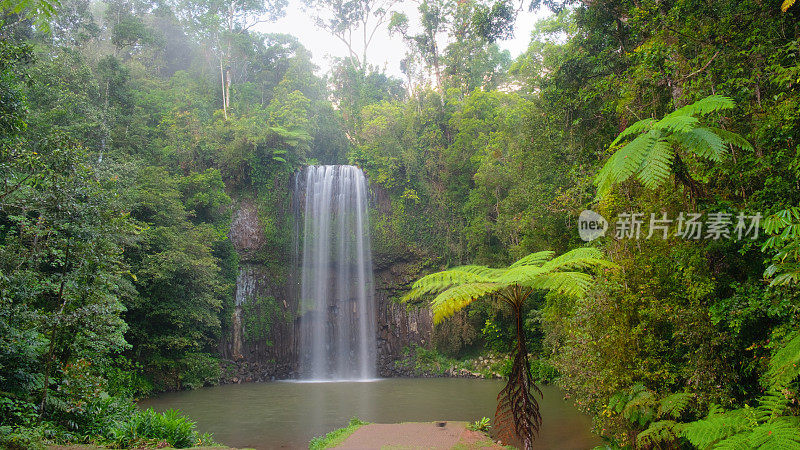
337,311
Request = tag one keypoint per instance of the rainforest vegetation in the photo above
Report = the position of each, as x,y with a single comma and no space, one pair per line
129,128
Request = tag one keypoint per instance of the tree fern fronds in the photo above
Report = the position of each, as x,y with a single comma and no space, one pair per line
441,281
784,366
520,275
677,123
624,163
640,405
708,144
675,405
712,103
454,299
732,138
481,270
705,433
738,441
573,284
658,434
656,167
629,158
772,404
534,259
650,154
638,127
780,434
579,258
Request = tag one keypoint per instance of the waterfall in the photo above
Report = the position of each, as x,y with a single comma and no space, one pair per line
337,311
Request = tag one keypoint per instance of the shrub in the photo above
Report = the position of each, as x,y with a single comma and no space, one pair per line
21,438
480,425
171,427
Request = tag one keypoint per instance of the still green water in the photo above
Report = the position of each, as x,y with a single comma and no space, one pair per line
287,414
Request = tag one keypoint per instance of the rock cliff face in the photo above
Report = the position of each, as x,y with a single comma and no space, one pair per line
274,356
257,286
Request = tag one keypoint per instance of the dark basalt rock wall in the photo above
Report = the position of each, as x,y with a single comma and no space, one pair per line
259,358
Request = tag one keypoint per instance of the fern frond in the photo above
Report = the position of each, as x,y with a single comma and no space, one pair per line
779,434
707,144
624,163
704,433
627,160
483,271
657,165
738,441
659,434
772,404
579,258
521,275
784,366
649,156
712,103
573,284
454,299
729,137
675,405
676,123
441,281
638,127
639,402
534,259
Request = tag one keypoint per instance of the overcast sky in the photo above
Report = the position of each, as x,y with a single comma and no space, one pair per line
385,51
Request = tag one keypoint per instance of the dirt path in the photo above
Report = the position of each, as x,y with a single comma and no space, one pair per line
417,435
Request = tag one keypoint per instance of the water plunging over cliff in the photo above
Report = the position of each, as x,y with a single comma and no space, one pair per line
337,312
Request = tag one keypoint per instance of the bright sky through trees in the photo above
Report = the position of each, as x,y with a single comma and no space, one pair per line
386,51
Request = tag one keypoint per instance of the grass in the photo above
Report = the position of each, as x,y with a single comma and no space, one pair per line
336,437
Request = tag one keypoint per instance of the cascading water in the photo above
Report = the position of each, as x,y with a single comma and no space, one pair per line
337,325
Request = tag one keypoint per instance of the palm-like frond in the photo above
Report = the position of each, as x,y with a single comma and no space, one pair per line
784,366
460,286
534,259
705,433
674,405
650,152
657,165
708,105
457,297
441,281
659,434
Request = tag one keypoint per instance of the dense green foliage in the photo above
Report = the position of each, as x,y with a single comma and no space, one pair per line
129,131
116,270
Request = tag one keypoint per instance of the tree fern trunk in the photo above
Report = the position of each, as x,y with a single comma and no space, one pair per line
517,417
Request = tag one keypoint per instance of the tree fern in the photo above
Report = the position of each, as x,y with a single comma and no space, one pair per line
766,426
673,406
784,366
784,230
706,433
658,434
517,414
652,146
